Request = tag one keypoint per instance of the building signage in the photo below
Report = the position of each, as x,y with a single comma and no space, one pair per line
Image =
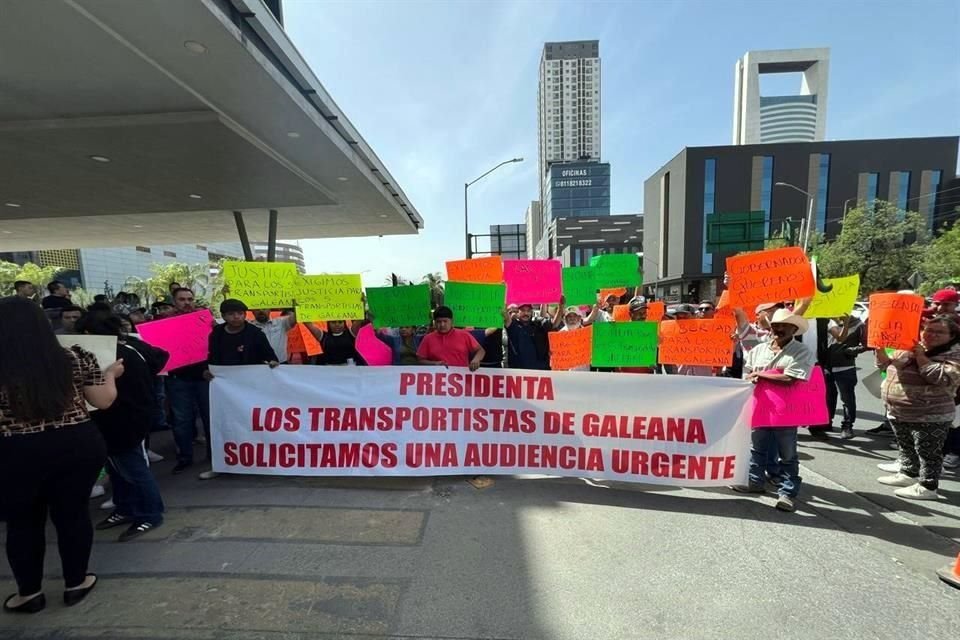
573,173
573,183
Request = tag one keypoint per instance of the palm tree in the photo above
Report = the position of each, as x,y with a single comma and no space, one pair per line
435,280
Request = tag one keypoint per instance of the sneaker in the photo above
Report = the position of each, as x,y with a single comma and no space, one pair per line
951,461
136,530
113,520
917,492
846,433
153,456
748,488
208,475
785,503
97,491
890,467
820,434
180,467
108,505
883,427
897,480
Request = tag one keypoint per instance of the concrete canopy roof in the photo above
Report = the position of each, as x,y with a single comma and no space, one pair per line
200,107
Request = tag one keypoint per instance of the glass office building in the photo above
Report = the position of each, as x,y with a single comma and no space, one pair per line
577,189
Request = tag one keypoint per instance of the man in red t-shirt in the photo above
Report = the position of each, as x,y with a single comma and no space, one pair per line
448,346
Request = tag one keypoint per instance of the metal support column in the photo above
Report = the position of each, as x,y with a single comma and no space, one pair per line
244,240
272,237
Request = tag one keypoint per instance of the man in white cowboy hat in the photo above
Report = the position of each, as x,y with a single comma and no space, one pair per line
781,360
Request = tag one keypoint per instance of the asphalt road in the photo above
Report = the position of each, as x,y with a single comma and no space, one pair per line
268,558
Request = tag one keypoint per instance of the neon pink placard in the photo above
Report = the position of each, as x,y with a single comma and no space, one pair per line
533,281
798,404
184,337
371,349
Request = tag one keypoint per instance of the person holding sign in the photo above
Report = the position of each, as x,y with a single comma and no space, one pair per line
338,342
404,343
781,360
449,347
918,395
276,330
235,342
124,427
188,392
527,345
50,451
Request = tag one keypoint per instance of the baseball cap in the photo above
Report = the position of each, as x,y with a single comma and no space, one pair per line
947,295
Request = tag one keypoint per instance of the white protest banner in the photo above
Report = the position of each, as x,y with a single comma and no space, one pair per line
103,347
409,421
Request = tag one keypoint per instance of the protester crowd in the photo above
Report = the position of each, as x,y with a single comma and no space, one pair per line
53,447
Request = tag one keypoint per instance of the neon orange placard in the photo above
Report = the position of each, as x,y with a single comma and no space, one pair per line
621,313
655,311
725,310
700,342
775,275
569,349
311,344
894,320
489,270
605,293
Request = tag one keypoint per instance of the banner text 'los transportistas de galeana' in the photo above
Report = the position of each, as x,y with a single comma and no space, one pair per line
404,421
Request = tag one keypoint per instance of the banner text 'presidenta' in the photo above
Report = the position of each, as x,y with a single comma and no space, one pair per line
434,421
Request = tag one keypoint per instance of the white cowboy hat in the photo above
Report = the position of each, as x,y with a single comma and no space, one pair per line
785,316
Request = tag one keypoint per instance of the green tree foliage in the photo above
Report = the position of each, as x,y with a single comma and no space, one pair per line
435,280
881,242
203,278
39,276
941,261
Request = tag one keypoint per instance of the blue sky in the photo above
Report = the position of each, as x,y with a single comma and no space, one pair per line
442,91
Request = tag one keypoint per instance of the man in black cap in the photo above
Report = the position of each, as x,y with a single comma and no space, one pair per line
236,342
528,347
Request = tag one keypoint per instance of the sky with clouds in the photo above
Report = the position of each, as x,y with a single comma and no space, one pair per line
444,90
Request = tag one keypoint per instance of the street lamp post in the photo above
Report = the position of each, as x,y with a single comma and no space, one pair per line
466,220
804,229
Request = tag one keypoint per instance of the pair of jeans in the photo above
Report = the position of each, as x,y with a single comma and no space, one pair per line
50,471
135,491
159,422
952,445
784,440
188,398
844,384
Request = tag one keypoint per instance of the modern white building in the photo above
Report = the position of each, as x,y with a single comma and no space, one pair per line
107,270
568,105
800,117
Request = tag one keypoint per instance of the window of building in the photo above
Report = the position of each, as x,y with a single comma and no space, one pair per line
903,193
170,254
709,202
823,189
143,249
766,193
873,181
929,204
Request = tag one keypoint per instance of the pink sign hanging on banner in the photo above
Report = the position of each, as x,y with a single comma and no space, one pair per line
798,404
184,337
373,351
533,281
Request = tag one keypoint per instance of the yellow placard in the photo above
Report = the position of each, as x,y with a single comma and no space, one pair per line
836,302
261,285
329,297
